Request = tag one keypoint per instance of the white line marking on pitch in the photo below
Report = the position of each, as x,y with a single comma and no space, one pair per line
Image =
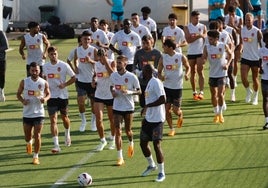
72,170
75,167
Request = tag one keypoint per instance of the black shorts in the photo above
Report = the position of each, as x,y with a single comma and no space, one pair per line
33,121
250,63
84,89
174,96
142,96
58,104
122,113
195,56
216,82
264,85
107,102
151,131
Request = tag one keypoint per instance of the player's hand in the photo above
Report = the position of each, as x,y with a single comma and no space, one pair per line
25,102
23,57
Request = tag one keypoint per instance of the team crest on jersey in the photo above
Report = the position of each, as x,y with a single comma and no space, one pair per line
199,29
252,34
131,38
38,40
98,36
89,54
139,31
222,39
126,80
176,60
220,50
148,23
39,86
58,69
175,33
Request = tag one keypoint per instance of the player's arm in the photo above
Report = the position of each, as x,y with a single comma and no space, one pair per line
250,5
47,94
109,67
228,52
154,35
113,91
75,62
21,48
259,36
69,82
205,55
182,43
111,46
47,44
19,93
95,58
158,102
186,66
109,2
190,38
160,68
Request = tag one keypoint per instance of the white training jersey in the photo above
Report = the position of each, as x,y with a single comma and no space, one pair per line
173,71
176,34
110,52
149,23
35,48
236,20
103,81
127,81
217,59
141,30
85,69
127,43
230,30
196,47
250,43
55,75
71,54
153,91
33,91
225,37
263,54
98,36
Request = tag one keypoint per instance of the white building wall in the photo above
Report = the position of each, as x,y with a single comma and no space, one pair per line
76,11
